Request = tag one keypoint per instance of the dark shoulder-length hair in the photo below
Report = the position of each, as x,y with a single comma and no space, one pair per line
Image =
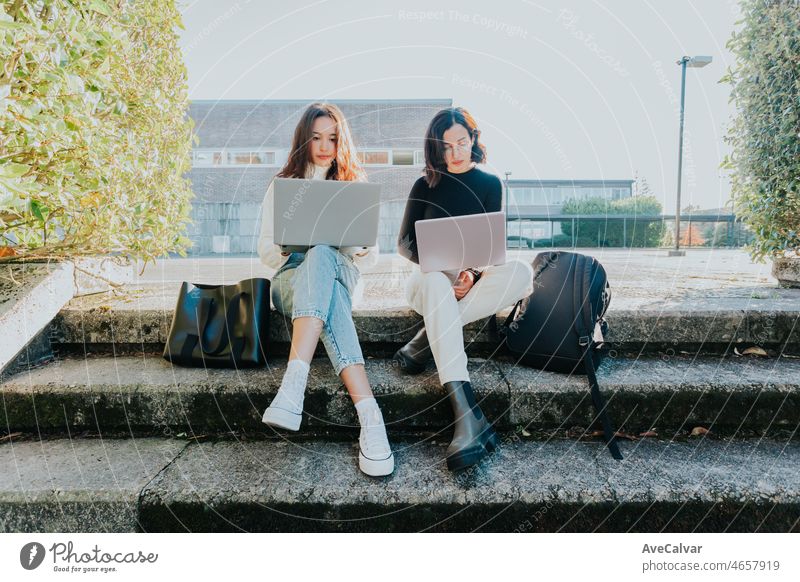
345,165
434,141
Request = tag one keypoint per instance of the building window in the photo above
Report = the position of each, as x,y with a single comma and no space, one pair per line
403,157
541,196
205,158
564,193
267,158
555,196
373,157
521,196
251,158
419,158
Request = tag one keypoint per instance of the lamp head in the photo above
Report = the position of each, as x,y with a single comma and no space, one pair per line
699,61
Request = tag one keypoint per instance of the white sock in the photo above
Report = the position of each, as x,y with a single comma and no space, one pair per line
299,369
293,386
364,407
373,439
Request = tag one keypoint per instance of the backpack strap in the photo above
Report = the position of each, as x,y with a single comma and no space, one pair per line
583,325
497,332
511,315
494,332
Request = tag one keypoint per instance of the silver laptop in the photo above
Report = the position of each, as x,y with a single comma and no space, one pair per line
458,242
329,212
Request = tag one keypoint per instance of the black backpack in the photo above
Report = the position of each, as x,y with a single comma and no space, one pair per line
560,326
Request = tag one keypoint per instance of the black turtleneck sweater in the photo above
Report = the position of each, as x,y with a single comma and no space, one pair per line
472,192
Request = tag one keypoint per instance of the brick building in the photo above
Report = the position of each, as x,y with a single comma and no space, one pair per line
244,143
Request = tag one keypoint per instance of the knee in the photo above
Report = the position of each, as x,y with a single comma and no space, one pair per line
321,252
412,287
521,277
435,282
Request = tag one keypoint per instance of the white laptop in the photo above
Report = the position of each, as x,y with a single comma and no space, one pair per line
329,212
458,242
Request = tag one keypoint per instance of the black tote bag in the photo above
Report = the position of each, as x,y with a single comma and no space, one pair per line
220,326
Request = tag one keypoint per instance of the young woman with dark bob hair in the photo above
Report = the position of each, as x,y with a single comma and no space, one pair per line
454,184
316,288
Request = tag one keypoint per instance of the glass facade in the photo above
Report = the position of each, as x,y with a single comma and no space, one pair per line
557,195
548,199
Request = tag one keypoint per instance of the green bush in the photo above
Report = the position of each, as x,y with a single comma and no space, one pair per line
559,240
717,235
765,133
94,132
600,232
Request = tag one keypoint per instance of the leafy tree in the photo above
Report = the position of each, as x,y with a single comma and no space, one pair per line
94,132
765,134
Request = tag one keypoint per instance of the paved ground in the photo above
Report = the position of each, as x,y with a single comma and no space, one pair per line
639,276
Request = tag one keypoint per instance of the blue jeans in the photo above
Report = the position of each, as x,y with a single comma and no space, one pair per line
319,283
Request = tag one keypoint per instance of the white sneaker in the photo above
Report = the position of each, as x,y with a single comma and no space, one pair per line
282,418
375,457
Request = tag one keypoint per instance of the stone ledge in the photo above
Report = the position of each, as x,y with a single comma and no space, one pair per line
101,274
30,297
383,332
32,294
713,300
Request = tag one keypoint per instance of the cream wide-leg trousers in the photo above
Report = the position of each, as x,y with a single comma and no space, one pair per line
431,295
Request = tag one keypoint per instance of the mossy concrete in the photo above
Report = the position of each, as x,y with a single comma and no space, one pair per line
145,395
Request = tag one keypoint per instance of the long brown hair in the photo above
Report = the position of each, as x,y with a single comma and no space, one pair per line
344,167
434,141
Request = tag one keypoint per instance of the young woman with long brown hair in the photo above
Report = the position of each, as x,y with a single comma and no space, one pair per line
316,288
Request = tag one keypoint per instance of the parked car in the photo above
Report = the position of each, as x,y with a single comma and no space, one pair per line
519,242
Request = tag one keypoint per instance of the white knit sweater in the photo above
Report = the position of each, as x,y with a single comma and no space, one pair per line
270,253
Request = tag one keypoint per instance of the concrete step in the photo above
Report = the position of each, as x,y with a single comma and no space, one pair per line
714,321
382,332
278,485
78,485
146,395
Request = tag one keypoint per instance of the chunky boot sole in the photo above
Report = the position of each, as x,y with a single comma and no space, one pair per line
280,418
489,441
375,468
408,365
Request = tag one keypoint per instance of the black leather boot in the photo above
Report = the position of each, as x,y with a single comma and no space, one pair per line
474,435
413,356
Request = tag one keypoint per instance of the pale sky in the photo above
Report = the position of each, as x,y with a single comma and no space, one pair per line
572,89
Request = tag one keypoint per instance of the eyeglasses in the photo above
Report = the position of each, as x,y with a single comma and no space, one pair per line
462,147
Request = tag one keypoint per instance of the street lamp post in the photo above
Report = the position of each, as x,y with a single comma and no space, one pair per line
508,200
695,62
